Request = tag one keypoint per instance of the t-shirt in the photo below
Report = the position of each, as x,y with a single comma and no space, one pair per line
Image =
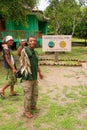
10,56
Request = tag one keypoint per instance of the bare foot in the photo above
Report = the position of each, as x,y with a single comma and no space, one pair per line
28,114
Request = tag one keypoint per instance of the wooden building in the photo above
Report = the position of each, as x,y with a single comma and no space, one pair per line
36,26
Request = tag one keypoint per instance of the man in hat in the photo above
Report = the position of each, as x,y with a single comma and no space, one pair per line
9,64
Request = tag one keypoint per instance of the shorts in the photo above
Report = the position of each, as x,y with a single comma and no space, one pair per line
11,77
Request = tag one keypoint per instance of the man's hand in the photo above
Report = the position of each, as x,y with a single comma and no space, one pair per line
14,71
41,76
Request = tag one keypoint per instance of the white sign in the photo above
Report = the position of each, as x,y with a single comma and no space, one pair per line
54,43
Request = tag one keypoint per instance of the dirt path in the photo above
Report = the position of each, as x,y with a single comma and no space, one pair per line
57,78
64,76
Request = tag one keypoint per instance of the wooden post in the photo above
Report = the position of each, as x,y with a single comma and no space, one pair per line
56,57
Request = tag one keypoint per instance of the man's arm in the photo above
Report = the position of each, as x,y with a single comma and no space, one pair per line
19,50
8,59
40,74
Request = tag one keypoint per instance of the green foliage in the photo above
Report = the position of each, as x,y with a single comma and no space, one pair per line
81,30
64,16
16,10
82,2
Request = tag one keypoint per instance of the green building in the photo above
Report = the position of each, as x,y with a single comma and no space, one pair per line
36,26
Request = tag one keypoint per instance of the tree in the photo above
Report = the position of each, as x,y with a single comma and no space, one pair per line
52,12
16,10
81,30
82,2
64,15
73,15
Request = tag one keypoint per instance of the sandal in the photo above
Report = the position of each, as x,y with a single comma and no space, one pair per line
35,108
14,94
28,114
2,95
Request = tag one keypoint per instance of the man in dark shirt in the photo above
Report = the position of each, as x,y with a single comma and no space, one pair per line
29,79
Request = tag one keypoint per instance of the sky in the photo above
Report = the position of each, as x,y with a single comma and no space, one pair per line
42,4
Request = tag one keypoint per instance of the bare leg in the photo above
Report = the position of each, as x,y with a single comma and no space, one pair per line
3,88
12,92
11,89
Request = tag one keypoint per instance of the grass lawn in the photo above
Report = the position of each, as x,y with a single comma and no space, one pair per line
78,40
79,53
55,116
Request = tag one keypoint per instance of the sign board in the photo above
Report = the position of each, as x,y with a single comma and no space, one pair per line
55,43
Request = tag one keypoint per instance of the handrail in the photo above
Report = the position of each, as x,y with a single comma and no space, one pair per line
18,34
